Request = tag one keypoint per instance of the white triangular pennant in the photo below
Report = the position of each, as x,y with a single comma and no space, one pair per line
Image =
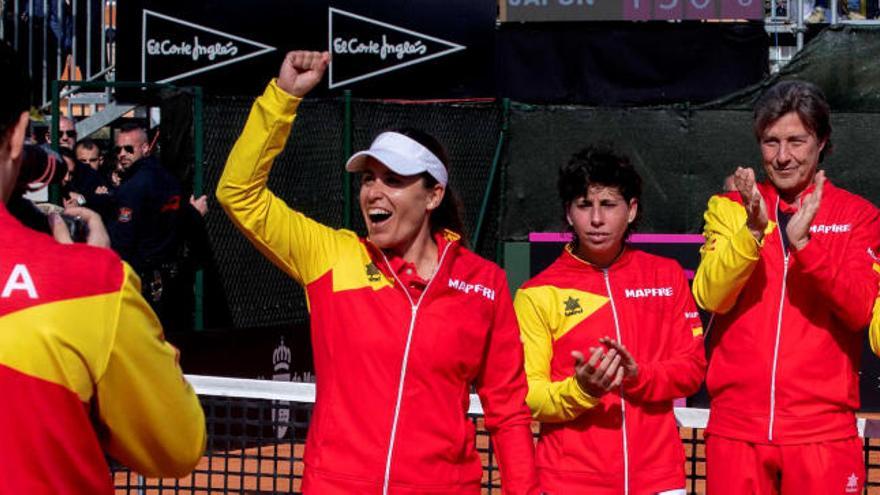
147,14
450,47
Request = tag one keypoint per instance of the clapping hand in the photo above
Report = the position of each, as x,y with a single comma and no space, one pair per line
627,361
600,374
756,208
798,228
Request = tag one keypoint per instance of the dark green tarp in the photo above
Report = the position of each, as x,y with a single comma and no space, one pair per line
683,152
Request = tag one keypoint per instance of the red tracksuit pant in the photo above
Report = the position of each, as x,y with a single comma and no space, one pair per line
824,468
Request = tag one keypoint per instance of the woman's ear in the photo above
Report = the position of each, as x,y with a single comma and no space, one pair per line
633,210
435,197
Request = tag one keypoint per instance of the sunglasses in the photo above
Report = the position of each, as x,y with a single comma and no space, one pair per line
126,148
70,134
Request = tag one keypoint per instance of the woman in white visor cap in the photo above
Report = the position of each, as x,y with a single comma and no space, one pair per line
404,322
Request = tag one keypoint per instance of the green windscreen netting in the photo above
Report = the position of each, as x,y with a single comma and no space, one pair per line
309,176
842,59
683,152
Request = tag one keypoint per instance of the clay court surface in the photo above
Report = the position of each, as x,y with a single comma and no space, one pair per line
278,468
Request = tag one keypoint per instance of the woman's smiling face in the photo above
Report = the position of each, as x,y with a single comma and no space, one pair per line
396,208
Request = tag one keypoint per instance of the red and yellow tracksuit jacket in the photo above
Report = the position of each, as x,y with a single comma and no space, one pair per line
786,339
627,442
79,347
394,373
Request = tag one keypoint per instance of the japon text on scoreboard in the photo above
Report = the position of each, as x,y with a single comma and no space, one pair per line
630,10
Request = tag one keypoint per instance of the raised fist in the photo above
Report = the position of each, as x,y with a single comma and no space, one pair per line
301,71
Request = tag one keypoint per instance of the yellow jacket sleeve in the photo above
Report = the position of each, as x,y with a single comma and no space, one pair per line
154,422
302,247
549,401
874,329
728,257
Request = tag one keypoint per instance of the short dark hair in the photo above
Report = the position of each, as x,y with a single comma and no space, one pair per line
14,89
131,126
134,127
599,165
89,144
448,215
802,97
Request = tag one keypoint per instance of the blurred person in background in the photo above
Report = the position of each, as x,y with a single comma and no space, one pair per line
144,225
66,133
150,225
88,152
85,186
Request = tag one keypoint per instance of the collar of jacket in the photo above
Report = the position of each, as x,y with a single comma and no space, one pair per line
442,238
771,194
133,169
572,260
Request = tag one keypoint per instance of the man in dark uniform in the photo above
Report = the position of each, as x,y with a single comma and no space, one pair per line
146,230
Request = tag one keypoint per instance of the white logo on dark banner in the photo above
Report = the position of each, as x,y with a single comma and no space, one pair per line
173,48
281,359
363,48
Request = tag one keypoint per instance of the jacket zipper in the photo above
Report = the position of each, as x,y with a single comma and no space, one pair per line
622,399
412,325
778,328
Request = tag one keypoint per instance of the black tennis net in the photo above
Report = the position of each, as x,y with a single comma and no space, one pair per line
257,432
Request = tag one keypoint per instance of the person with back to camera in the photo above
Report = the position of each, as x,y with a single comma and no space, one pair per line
607,423
790,271
403,322
84,369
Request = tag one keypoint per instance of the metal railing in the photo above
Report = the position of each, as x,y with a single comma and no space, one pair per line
61,39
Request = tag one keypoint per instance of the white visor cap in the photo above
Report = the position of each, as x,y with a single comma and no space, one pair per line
402,155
